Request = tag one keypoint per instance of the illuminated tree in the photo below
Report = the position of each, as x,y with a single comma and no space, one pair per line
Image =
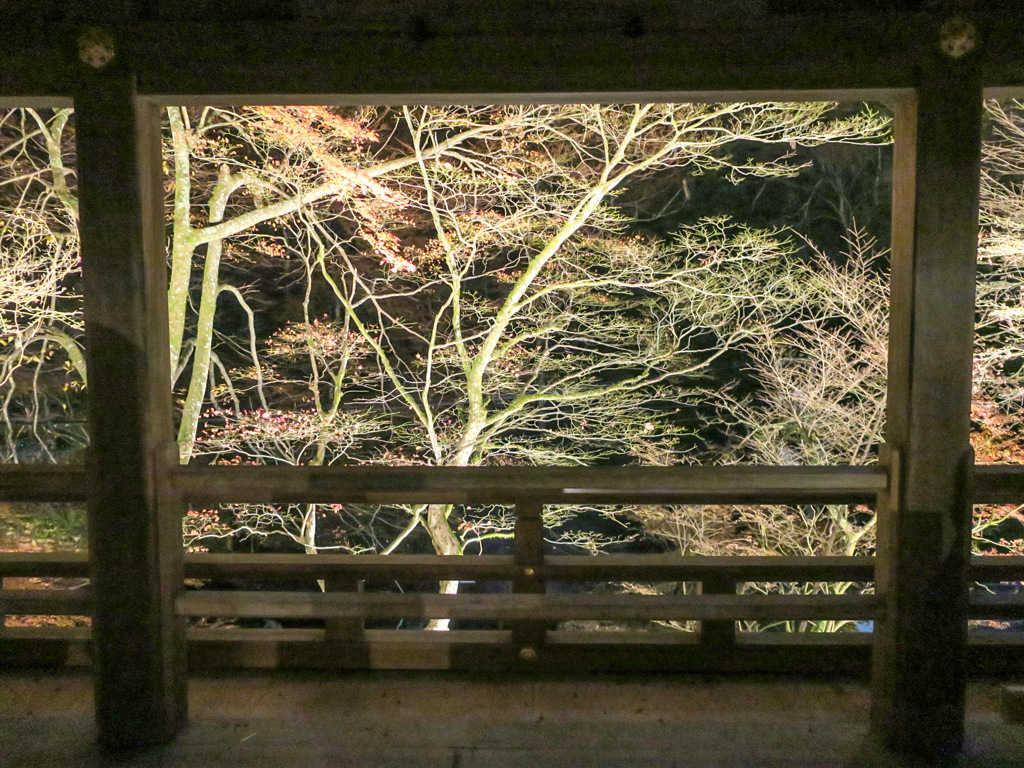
236,170
471,291
815,396
41,364
501,311
998,433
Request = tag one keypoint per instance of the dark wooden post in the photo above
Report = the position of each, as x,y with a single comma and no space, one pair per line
924,521
528,553
134,525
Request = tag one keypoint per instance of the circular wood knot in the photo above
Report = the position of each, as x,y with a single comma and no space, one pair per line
528,653
958,37
96,47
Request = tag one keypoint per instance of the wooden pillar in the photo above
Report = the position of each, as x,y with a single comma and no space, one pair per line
134,525
919,663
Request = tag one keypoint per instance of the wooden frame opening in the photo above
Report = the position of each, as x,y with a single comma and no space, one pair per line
136,490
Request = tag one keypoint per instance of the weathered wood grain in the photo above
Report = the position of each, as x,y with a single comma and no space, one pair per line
134,524
377,51
271,567
528,557
19,482
549,485
618,567
529,607
993,483
216,650
925,517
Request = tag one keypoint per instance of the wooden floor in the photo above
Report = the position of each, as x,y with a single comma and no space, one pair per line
408,720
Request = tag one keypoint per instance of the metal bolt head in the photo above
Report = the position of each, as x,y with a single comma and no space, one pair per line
958,37
96,47
528,653
529,573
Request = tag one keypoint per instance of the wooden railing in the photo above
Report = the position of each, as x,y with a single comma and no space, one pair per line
479,485
526,629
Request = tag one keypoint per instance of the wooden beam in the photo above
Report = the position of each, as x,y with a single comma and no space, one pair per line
993,483
475,651
617,567
551,607
68,565
55,602
476,656
987,568
733,569
271,567
215,650
292,58
924,520
664,567
375,49
998,607
550,485
44,483
630,18
297,567
134,524
66,602
998,484
46,647
402,568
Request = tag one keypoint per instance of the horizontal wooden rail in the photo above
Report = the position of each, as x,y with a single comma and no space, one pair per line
303,605
43,483
575,638
737,569
548,485
471,650
50,602
549,607
64,565
999,607
553,568
480,485
998,484
234,648
275,567
298,567
993,484
989,568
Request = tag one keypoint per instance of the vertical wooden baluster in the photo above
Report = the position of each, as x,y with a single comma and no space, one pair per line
718,634
343,630
528,553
